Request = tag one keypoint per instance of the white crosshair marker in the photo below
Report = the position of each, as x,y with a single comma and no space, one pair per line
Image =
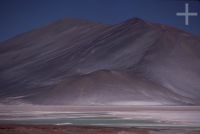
186,14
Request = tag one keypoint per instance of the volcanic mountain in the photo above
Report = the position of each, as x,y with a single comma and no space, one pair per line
75,62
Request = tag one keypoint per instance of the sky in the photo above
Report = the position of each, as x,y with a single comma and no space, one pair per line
19,16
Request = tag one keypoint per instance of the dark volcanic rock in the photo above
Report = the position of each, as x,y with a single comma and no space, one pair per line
50,129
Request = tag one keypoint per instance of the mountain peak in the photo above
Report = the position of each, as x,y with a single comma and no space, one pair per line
135,21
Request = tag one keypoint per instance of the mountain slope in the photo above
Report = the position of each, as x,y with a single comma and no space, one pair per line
82,63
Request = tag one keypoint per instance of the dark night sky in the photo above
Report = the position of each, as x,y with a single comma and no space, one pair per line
18,16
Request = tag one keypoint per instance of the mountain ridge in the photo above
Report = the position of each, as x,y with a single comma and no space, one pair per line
37,66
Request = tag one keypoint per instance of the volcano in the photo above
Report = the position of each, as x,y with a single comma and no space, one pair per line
76,62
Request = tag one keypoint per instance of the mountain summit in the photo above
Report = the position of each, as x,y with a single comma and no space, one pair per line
74,62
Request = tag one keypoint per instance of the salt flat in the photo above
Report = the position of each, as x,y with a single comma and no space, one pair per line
128,116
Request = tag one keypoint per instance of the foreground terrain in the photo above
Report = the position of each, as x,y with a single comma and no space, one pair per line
52,129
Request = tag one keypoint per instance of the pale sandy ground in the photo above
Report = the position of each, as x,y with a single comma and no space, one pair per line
52,129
